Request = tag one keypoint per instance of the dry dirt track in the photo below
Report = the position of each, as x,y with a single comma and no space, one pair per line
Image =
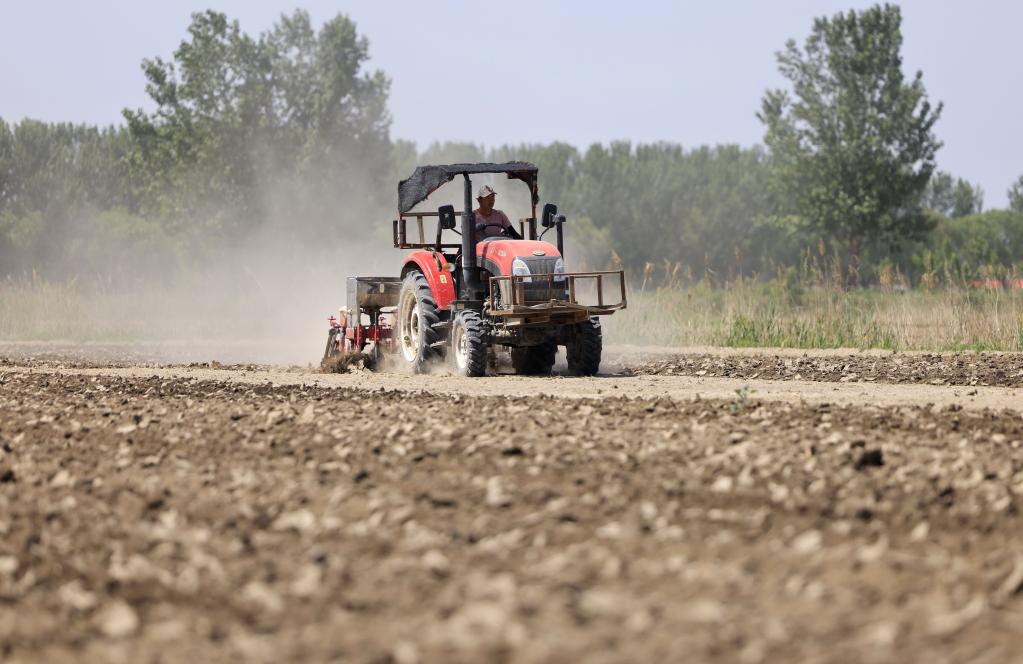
174,513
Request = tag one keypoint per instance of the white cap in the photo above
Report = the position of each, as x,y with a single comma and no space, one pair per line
485,191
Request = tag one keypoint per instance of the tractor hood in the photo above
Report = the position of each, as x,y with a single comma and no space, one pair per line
496,256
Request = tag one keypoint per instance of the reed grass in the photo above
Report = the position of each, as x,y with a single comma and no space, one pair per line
752,314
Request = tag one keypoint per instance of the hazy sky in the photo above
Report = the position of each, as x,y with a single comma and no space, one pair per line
536,71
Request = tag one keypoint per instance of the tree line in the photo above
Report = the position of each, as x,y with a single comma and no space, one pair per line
286,135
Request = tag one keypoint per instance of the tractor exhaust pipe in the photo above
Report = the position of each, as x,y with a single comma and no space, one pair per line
470,273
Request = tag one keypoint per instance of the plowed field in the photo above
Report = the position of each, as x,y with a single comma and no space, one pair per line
174,513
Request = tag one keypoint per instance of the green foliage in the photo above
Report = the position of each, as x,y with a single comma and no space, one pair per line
1016,195
953,197
757,314
741,400
284,136
53,179
559,165
853,149
660,202
283,128
975,246
773,330
281,134
452,153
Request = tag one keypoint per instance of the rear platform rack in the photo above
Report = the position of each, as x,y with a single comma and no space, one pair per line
560,303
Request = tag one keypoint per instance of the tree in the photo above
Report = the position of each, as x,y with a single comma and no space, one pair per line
940,193
953,197
284,128
853,149
967,199
1016,195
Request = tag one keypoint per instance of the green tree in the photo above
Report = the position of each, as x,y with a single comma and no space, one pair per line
953,197
1016,195
993,239
284,127
659,202
558,163
940,193
53,179
968,199
853,147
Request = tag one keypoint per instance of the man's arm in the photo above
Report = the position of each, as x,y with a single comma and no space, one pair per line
509,229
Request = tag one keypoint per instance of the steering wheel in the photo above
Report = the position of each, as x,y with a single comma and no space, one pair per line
480,228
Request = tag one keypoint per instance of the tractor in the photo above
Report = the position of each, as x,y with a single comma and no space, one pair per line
459,299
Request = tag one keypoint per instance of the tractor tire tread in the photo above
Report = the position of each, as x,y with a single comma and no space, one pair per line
584,350
476,359
429,317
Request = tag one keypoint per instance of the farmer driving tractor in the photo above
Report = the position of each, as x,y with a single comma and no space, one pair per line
491,222
458,301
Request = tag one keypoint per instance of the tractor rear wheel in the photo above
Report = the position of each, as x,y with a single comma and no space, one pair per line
584,349
535,360
468,344
418,317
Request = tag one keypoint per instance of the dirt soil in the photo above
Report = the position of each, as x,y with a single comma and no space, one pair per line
844,365
162,514
969,369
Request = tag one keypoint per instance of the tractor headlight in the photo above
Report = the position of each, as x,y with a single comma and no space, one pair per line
559,270
520,269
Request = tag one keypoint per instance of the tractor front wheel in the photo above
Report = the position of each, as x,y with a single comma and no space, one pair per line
417,317
585,347
468,344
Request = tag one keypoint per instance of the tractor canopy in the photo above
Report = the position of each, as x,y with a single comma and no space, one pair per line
427,179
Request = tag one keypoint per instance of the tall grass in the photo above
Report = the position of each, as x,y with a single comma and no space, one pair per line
40,310
817,304
781,312
34,309
754,314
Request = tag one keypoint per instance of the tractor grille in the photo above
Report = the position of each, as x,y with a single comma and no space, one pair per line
537,290
540,264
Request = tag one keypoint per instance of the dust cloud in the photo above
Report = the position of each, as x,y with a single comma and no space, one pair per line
264,298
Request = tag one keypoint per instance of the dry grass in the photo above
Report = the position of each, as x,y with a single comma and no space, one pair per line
778,313
39,310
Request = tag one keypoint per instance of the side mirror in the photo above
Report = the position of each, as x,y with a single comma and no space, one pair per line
446,215
549,210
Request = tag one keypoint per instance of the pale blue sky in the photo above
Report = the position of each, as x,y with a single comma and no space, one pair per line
537,71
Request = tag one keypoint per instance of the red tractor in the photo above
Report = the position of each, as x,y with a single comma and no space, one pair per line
460,301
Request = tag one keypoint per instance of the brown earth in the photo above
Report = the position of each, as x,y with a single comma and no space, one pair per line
968,369
210,514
